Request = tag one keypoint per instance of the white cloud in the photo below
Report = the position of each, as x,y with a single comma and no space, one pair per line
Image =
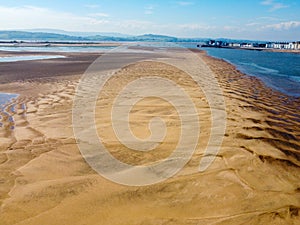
274,5
252,24
284,25
31,17
28,17
269,18
259,22
185,3
100,14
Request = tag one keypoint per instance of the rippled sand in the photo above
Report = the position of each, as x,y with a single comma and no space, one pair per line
255,179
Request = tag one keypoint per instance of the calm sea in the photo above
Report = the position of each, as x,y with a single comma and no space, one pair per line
280,71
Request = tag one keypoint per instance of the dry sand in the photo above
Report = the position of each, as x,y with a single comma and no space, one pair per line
255,178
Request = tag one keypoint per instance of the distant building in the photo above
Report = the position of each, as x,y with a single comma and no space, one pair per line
294,45
281,45
269,45
215,43
297,45
212,42
235,45
246,45
262,45
290,45
258,45
219,43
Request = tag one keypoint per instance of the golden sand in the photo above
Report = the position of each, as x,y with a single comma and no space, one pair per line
255,178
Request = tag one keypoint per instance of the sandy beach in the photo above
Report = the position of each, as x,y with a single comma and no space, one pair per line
255,178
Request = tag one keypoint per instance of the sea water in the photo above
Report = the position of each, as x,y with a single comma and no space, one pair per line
58,48
27,58
280,71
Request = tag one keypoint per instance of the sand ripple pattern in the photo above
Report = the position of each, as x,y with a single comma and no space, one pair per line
95,79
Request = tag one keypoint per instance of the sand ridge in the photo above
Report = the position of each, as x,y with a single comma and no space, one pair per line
255,178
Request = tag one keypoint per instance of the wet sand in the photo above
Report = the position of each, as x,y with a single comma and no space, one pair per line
255,179
72,64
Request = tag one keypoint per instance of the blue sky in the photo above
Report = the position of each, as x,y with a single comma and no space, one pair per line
240,19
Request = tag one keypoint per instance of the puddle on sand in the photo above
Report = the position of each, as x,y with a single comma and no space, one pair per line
27,58
5,98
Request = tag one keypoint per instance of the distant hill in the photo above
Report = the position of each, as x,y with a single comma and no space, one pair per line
35,36
150,37
61,36
77,33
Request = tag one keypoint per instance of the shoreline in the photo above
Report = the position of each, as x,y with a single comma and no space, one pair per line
116,44
294,51
254,179
255,79
68,55
286,87
58,44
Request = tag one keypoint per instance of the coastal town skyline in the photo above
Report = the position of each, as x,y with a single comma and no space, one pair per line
273,20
